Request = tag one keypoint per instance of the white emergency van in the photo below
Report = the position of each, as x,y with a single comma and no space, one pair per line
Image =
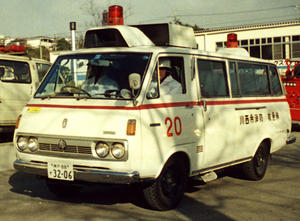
19,78
106,114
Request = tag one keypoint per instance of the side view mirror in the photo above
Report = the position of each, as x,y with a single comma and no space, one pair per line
134,81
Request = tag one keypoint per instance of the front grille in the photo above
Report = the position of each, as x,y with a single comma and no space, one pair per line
67,149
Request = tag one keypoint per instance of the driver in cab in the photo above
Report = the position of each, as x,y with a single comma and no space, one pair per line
97,80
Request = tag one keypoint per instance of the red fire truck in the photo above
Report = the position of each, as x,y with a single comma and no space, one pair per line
291,82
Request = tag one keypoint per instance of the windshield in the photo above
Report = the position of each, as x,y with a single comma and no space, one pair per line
102,75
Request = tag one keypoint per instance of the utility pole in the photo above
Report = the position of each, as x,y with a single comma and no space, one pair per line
73,29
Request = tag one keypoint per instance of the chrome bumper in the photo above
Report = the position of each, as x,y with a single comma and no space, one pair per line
291,139
82,173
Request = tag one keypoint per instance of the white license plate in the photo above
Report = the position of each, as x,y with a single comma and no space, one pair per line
60,171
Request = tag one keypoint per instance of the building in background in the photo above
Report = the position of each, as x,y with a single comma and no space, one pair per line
277,42
36,42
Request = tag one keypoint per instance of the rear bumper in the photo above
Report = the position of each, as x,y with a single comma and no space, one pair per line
291,139
82,173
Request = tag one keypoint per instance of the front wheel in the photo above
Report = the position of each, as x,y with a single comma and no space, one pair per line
168,189
256,168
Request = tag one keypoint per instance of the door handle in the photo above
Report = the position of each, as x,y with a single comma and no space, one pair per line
204,105
154,124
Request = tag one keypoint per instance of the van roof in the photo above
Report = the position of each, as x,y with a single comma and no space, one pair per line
21,58
236,53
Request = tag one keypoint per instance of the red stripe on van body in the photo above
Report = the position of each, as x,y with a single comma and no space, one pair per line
245,101
159,105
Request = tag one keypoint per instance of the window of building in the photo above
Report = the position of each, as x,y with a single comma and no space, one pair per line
296,38
269,40
278,51
219,44
277,39
295,46
266,51
244,42
255,51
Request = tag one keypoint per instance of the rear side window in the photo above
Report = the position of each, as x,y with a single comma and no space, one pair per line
253,79
275,82
213,80
14,71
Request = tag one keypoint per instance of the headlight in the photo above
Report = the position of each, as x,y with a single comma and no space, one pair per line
33,144
102,149
22,143
118,150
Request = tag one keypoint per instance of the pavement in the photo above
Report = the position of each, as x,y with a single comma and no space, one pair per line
7,156
229,198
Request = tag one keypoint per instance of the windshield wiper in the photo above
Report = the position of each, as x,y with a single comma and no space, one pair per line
47,96
74,90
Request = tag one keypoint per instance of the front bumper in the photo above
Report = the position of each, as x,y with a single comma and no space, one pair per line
82,173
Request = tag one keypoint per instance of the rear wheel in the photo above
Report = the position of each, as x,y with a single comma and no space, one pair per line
256,168
168,189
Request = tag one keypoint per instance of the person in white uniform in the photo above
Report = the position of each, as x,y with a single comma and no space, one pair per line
168,85
98,82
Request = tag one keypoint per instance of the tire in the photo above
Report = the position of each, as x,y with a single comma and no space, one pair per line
256,168
168,189
61,188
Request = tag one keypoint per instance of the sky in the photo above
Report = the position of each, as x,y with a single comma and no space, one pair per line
31,18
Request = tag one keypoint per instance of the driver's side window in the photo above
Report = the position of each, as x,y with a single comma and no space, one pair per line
153,88
168,78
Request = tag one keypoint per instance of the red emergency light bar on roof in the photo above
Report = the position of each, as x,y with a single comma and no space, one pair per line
13,48
115,15
232,41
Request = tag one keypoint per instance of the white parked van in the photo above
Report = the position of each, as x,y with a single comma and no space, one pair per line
151,110
19,78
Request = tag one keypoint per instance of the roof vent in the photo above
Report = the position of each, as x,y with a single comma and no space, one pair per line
116,36
169,35
141,35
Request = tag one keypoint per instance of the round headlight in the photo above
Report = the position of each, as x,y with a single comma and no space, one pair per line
118,150
33,144
102,149
22,143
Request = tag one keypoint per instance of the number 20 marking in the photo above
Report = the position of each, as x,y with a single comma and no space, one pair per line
177,126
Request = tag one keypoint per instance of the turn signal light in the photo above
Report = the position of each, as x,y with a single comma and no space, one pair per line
131,126
18,121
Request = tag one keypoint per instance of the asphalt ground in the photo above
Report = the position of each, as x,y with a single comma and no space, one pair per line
276,197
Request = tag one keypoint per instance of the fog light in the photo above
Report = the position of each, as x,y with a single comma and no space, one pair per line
118,150
22,143
102,149
33,144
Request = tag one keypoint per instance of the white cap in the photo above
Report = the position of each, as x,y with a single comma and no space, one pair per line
164,63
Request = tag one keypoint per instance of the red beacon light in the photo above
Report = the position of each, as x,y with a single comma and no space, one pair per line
232,41
115,15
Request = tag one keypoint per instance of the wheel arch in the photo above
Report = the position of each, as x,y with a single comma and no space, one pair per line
176,156
267,141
